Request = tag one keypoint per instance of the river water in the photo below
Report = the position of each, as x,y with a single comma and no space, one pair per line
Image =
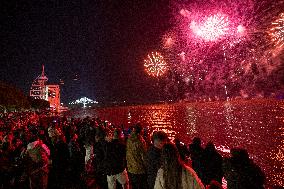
256,125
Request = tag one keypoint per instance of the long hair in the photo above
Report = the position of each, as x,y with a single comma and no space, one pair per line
172,167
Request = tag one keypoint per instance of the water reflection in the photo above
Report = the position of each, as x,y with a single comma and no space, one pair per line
159,121
154,118
278,156
229,114
191,120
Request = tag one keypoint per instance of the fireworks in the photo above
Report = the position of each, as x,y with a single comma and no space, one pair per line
224,42
212,29
168,41
155,65
241,29
277,31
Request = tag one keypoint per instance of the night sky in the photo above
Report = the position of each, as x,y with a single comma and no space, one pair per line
103,42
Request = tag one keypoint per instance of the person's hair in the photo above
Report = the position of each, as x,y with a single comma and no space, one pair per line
5,146
240,155
210,147
117,134
100,133
160,135
196,141
172,167
137,128
34,135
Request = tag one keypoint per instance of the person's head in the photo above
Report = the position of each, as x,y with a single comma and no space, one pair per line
177,142
160,138
117,134
100,134
210,147
239,155
171,166
34,135
169,154
196,141
109,135
137,129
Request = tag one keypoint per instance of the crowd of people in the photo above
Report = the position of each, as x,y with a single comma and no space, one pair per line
40,152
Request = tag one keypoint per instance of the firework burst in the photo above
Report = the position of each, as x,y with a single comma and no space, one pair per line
224,42
277,31
155,64
212,29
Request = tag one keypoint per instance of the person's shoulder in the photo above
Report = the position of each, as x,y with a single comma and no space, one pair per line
188,170
152,150
132,138
189,174
104,143
113,144
121,144
99,145
141,139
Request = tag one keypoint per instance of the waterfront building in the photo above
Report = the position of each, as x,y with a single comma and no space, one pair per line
41,90
53,96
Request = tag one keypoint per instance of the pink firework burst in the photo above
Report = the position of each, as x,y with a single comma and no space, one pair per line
277,31
155,65
213,29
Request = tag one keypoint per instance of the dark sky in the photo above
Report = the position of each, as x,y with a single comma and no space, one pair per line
104,42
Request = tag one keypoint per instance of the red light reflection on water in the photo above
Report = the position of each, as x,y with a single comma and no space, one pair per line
256,125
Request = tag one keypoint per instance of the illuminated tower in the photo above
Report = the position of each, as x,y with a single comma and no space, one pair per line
51,93
38,89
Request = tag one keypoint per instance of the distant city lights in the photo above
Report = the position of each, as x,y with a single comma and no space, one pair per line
84,100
